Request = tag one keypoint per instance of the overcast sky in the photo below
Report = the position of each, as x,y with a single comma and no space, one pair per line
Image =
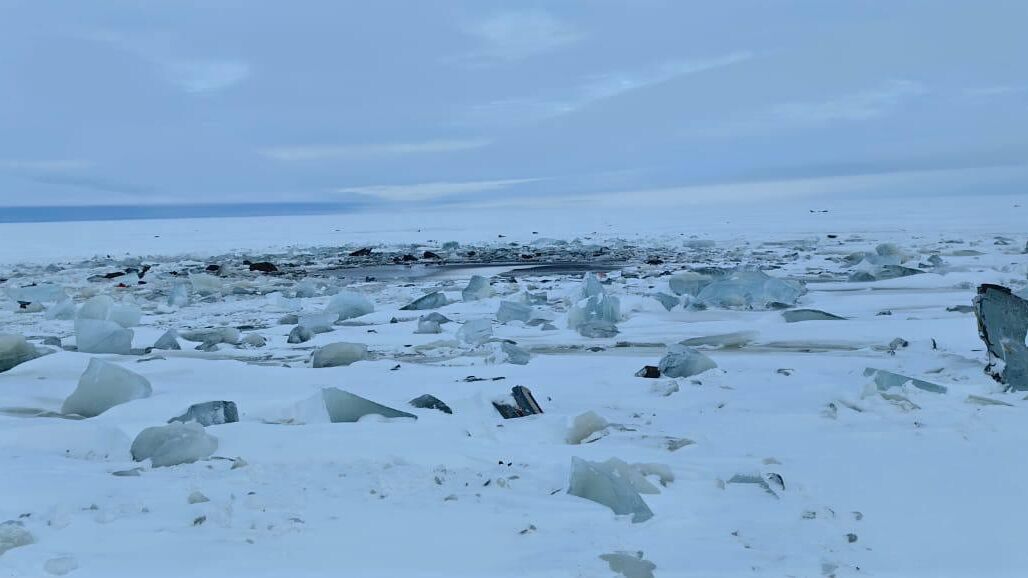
479,102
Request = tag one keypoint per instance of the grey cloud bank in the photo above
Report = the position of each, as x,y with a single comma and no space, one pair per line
480,103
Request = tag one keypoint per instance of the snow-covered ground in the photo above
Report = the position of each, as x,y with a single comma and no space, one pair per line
910,483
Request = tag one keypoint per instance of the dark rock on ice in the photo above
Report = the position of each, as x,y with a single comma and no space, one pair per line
430,402
1003,325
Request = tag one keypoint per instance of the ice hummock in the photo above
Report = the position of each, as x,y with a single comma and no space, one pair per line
596,313
15,350
96,336
102,386
604,484
173,444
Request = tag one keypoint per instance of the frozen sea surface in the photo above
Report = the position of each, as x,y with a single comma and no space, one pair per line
786,459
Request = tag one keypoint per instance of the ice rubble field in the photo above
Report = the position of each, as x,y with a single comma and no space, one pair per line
850,482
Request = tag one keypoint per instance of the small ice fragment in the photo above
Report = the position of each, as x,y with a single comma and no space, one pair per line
197,498
213,335
210,413
478,288
344,407
585,425
797,315
102,386
722,340
15,350
254,340
348,305
60,566
629,564
168,341
341,353
605,485
430,402
300,334
433,300
513,311
173,444
886,380
475,332
682,361
427,326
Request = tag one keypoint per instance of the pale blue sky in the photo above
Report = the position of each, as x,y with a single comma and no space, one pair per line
473,101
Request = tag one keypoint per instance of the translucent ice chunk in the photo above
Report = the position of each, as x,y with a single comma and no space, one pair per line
688,283
751,290
348,305
478,288
584,426
14,535
668,301
682,361
44,293
318,322
475,332
344,406
104,308
341,353
63,310
600,307
300,334
433,300
95,336
605,485
506,352
102,386
168,341
15,350
173,444
179,295
204,284
512,311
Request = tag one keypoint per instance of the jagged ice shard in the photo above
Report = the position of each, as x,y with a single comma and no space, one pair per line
606,485
1003,325
98,336
102,386
343,406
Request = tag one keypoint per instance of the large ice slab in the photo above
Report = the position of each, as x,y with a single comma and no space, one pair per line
42,293
683,361
513,311
606,485
96,336
1003,326
340,353
688,283
344,406
596,313
104,308
751,290
173,444
104,385
475,331
14,350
